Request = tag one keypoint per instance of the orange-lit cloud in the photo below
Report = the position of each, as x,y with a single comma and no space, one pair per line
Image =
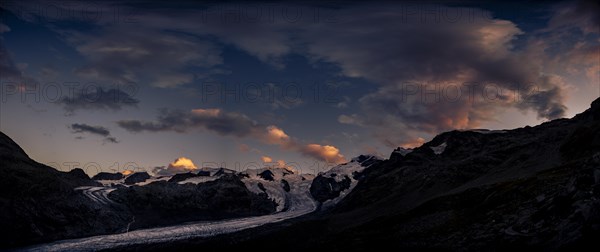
266,159
275,135
206,112
127,172
180,165
281,164
183,163
327,153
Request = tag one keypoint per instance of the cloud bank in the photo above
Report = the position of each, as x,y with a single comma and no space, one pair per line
416,62
394,50
99,99
231,124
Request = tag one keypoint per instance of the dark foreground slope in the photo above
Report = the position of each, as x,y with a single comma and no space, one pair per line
39,203
536,187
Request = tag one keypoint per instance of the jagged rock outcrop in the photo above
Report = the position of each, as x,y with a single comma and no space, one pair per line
223,171
78,173
285,185
182,176
326,188
137,177
266,175
204,173
108,176
330,184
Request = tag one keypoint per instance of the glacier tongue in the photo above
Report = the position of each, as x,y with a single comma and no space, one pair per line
299,201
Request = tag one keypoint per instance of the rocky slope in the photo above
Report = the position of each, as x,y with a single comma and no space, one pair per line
333,185
108,176
533,186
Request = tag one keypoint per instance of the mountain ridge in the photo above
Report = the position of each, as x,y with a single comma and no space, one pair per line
531,187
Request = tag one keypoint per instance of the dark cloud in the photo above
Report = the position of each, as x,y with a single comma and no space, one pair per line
133,52
49,72
111,140
4,28
99,99
82,128
215,120
583,14
162,61
7,66
9,70
545,104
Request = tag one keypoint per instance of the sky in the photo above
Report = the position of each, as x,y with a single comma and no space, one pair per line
170,87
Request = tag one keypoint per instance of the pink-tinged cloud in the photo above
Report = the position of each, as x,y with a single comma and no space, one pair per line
243,147
413,143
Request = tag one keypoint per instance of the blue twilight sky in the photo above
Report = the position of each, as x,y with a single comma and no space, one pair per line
115,85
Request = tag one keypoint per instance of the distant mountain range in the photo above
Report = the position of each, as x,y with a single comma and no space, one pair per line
40,204
535,187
